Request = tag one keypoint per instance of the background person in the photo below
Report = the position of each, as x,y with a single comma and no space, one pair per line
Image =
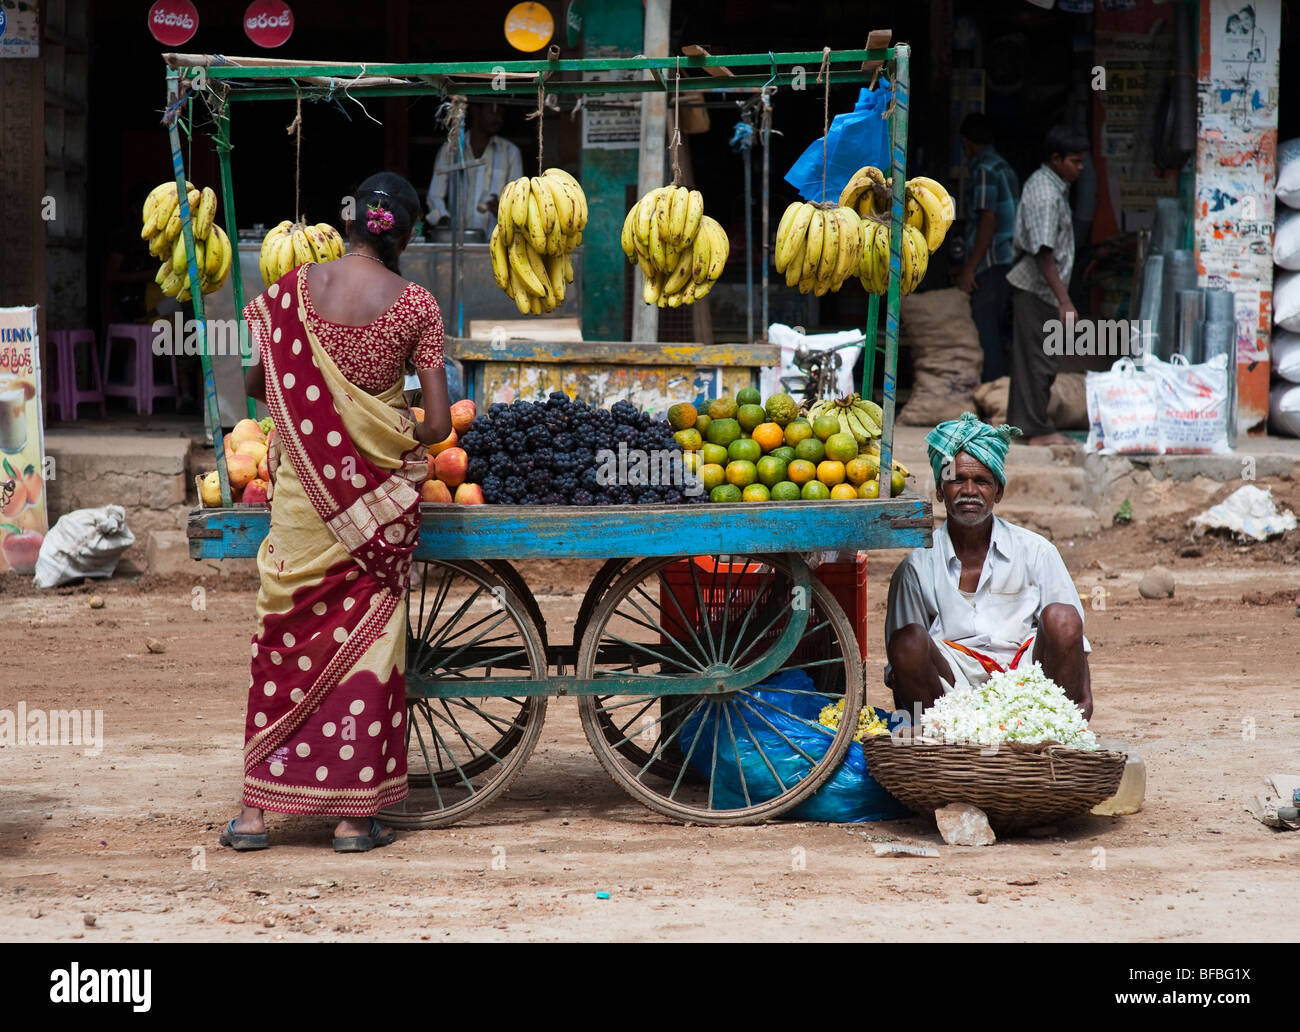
325,730
1044,248
989,202
490,163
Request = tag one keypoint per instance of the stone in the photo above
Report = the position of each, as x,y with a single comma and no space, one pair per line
154,645
96,602
89,920
903,849
961,824
1157,582
1024,879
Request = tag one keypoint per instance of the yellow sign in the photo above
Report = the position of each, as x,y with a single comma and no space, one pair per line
529,26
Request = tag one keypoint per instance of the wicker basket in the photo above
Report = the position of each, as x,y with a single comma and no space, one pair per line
1018,786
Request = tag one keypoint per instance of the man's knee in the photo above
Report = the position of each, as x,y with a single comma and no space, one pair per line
1062,625
908,646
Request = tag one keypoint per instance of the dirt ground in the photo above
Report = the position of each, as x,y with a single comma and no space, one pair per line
123,845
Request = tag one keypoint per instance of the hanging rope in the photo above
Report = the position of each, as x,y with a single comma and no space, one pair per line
677,132
825,69
296,127
540,115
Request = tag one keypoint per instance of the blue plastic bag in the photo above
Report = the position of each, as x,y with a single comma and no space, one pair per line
850,796
856,138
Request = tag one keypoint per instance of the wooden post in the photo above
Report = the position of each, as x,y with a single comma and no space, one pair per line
650,163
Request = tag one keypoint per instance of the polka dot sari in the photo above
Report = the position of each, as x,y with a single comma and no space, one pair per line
325,730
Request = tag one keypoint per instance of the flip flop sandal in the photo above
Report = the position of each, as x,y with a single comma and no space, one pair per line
364,843
241,841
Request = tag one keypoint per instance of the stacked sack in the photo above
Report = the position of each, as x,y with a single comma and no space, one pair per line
1284,398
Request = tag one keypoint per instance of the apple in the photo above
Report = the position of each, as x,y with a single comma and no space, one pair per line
246,430
450,466
264,471
241,469
437,449
20,548
469,494
435,491
256,492
256,449
462,414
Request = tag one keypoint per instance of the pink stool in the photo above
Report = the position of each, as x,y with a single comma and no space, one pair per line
66,393
140,385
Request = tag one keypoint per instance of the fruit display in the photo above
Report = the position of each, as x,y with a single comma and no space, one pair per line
247,448
161,227
744,451
681,251
540,222
818,246
291,244
564,452
449,464
869,722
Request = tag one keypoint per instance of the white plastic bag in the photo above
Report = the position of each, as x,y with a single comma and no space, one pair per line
1122,411
1286,301
788,339
84,543
1191,404
1284,351
1288,172
1286,239
1284,409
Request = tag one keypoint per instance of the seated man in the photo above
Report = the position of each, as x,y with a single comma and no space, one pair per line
989,595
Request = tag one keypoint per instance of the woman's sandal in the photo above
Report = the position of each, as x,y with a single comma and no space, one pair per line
364,843
243,841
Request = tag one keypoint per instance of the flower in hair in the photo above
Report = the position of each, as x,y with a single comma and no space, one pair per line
378,219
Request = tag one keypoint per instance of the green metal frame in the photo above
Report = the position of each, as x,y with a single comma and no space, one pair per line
520,78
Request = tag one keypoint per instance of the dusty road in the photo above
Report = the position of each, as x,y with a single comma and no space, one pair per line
1204,684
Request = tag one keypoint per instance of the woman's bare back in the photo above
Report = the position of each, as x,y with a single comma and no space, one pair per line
353,291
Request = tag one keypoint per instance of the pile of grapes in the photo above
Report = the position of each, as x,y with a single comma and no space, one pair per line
550,453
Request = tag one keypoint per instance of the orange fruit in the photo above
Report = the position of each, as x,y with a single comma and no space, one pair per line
825,425
755,493
688,440
682,416
859,470
844,491
797,430
741,473
768,435
830,472
711,475
800,471
869,489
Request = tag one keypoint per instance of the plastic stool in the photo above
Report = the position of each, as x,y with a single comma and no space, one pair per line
140,385
67,394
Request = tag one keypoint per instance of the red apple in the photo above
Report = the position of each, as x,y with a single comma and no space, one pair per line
435,491
256,492
469,494
450,465
452,440
462,414
20,548
241,469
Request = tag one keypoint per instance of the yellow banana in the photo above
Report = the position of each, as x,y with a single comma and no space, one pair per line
333,238
663,211
520,189
517,290
576,191
302,252
158,196
568,269
173,228
719,249
941,192
537,264
645,208
535,305
555,270
798,233
680,277
794,267
522,267
627,239
703,288
813,251
164,270
782,231
545,203
681,202
220,256
320,247
500,263
652,290
536,227
573,241
171,284
207,210
934,225
555,238
694,213
701,255
830,255
658,257
284,257
560,200
265,270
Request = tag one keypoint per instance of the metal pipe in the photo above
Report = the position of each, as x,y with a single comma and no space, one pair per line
765,112
232,231
898,147
749,245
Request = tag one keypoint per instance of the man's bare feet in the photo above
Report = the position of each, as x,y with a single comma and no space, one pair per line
1047,439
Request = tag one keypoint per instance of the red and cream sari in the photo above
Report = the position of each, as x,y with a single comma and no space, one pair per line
325,728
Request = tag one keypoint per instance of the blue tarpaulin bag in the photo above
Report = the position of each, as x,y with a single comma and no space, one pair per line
856,138
850,796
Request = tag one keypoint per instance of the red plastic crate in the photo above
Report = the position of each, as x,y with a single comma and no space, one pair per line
847,582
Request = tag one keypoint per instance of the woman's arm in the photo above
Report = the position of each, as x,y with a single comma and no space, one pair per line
437,406
255,382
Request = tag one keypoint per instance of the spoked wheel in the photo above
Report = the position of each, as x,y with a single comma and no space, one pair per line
727,646
467,628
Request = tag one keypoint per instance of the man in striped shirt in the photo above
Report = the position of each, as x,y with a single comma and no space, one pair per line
1044,250
989,206
490,162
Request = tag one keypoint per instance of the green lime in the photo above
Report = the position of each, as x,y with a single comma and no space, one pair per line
816,491
702,421
781,408
714,453
749,396
711,475
749,416
755,493
722,431
825,425
841,447
810,449
725,493
741,472
771,470
896,483
688,439
785,492
723,408
744,448
785,453
797,430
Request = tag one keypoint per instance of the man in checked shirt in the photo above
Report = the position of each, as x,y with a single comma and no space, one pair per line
1044,257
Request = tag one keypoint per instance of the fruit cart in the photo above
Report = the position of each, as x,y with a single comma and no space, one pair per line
705,623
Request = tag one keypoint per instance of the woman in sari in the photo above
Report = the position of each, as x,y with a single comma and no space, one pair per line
325,728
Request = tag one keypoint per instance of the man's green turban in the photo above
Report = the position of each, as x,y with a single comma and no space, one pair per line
980,441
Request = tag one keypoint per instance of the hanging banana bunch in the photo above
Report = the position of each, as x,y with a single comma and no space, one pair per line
873,269
930,209
540,220
161,227
818,246
867,192
681,251
290,244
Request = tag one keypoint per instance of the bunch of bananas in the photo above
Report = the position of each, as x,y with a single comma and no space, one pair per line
867,192
930,209
868,722
539,222
858,416
290,244
162,228
818,246
873,269
681,251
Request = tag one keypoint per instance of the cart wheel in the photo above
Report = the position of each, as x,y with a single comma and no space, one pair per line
600,583
467,626
515,582
665,621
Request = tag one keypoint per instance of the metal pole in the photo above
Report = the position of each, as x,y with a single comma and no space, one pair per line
650,163
232,231
766,114
457,189
212,410
898,146
749,245
869,356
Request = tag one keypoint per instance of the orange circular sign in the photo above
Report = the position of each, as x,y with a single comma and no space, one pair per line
529,26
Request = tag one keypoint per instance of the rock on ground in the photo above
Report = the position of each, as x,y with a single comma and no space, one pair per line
961,824
1157,582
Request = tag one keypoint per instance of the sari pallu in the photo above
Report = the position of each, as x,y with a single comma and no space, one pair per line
327,695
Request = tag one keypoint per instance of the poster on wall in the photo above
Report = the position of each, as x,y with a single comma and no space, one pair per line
611,121
23,517
20,28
